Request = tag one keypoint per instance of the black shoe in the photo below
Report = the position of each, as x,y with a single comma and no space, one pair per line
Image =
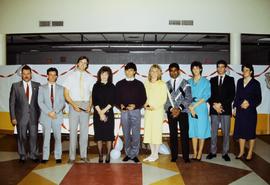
126,159
240,157
58,161
136,160
226,157
22,161
44,161
36,160
186,160
211,156
173,160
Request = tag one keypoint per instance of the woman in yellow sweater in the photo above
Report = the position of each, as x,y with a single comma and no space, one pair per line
156,92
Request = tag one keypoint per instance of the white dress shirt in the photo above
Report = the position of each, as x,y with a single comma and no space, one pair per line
72,83
30,89
177,82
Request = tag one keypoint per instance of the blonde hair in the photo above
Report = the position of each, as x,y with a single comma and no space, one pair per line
155,66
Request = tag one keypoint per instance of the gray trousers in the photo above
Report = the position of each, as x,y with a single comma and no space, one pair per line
131,125
47,127
81,119
225,121
32,128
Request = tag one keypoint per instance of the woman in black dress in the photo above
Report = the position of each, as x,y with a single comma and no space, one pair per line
103,97
248,97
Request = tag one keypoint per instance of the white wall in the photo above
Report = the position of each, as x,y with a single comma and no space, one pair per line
241,16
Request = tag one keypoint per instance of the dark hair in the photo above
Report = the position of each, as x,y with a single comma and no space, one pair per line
172,65
26,67
196,64
104,69
82,58
130,65
222,62
52,69
250,67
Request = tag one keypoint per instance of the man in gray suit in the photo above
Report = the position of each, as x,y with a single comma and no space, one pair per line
51,102
24,113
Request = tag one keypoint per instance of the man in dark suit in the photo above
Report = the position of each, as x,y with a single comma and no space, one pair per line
177,111
222,95
24,113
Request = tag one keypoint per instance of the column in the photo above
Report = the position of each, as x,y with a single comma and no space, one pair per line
3,54
235,48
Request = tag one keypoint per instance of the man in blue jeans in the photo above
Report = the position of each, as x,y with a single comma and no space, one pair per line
130,98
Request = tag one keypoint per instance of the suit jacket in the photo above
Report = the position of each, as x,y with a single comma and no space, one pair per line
45,104
19,108
181,98
225,95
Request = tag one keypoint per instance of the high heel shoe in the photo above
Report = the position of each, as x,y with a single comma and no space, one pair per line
108,159
194,158
100,160
239,157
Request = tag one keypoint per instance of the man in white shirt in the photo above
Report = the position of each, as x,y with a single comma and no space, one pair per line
51,102
77,92
24,113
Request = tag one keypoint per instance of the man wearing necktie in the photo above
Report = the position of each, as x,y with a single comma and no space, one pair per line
51,102
24,113
77,92
222,95
178,101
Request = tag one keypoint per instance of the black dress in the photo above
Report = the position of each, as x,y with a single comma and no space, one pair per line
246,119
102,95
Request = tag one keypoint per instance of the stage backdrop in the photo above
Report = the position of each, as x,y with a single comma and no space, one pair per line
10,74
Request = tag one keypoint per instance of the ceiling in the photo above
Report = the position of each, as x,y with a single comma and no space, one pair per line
126,42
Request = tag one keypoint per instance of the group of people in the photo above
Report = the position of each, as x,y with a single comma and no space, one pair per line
184,102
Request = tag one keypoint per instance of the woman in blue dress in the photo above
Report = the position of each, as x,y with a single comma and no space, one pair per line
248,97
199,124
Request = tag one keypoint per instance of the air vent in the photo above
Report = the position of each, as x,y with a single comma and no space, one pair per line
174,22
187,22
57,23
44,23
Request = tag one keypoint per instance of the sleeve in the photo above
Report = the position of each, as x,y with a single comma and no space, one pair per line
62,102
211,99
95,96
41,101
231,92
117,95
112,96
237,102
143,96
188,97
206,93
12,102
67,82
167,105
256,97
163,97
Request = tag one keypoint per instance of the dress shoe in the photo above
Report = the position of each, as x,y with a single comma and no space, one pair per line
186,160
58,161
136,160
36,160
248,159
240,157
70,161
85,160
126,159
211,156
22,161
226,157
107,160
44,161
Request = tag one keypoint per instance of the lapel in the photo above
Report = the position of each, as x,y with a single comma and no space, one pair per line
34,89
22,91
169,85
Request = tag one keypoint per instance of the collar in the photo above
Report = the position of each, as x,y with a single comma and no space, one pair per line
130,79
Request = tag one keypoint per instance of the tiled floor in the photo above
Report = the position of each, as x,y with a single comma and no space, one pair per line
161,172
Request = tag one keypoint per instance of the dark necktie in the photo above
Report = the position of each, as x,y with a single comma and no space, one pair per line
220,81
52,98
27,92
174,84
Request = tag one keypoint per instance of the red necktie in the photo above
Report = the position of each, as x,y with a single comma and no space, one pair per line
27,91
52,99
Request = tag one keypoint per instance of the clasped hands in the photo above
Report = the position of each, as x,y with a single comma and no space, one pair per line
245,104
77,108
148,107
129,107
175,112
102,115
218,107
